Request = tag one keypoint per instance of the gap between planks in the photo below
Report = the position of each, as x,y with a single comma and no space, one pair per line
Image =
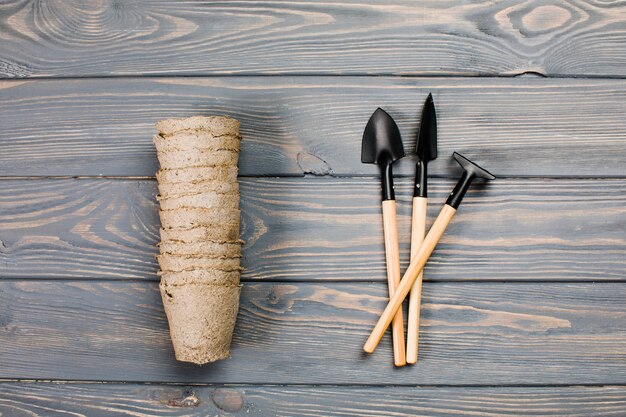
8,381
312,177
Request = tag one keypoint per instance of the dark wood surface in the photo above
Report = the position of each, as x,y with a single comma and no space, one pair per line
69,38
309,229
524,305
312,333
314,125
141,400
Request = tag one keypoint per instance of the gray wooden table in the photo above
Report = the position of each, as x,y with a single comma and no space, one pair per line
524,309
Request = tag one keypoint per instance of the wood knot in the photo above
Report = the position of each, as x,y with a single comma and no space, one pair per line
6,316
546,18
313,164
228,400
187,399
279,298
536,23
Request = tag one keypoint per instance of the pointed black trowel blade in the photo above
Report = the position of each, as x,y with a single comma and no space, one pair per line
382,143
427,137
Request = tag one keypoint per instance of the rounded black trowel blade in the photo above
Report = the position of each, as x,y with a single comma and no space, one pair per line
382,143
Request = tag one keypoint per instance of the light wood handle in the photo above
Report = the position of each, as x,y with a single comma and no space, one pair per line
416,266
418,230
392,254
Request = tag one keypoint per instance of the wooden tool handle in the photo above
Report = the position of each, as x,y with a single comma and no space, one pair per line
418,230
392,254
416,266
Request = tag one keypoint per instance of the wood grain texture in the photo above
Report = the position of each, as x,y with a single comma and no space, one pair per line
514,229
76,38
476,334
313,125
135,400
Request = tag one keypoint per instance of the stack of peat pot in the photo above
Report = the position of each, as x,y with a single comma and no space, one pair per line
200,249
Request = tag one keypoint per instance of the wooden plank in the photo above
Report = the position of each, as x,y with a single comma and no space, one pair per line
313,125
323,229
74,38
141,400
472,334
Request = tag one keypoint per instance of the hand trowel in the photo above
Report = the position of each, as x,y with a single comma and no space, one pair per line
426,151
382,145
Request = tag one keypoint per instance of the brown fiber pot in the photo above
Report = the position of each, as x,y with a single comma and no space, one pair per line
200,249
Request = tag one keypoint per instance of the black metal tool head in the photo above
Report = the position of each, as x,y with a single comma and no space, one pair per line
426,148
470,171
427,136
382,145
471,168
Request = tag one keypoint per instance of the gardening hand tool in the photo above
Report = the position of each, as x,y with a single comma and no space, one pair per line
426,151
471,171
382,145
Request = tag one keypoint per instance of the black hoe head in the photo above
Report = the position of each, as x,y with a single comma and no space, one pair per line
382,143
427,136
472,169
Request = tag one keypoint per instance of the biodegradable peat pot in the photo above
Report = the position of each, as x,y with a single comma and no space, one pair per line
205,276
178,189
213,125
197,174
224,232
200,200
197,158
186,218
200,249
179,263
201,319
198,140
